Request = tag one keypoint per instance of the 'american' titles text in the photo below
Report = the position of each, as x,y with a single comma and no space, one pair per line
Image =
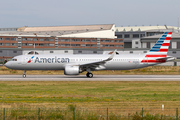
51,60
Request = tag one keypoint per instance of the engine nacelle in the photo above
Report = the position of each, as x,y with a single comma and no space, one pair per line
71,70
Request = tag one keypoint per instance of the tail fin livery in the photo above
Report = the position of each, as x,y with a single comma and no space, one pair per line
159,50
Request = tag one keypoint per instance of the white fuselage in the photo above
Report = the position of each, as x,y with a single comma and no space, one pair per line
59,61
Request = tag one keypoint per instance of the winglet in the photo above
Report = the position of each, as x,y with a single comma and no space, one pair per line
112,55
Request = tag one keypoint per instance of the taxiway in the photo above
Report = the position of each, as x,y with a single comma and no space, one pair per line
95,78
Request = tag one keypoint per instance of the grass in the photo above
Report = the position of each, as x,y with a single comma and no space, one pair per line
90,99
90,94
83,114
152,70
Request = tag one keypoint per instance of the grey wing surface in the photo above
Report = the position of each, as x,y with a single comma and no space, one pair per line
93,65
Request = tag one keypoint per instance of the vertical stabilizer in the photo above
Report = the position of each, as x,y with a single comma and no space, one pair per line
159,50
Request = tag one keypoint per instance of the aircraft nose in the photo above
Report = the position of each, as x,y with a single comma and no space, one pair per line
7,64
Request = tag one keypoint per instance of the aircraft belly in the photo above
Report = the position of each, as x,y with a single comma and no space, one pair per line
145,65
42,67
120,66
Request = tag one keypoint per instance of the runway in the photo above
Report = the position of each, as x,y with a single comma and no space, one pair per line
95,78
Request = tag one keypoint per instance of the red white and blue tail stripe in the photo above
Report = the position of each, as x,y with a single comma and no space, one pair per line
159,50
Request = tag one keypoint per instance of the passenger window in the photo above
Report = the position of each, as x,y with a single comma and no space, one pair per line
36,53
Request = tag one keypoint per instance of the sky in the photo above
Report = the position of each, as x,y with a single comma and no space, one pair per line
19,13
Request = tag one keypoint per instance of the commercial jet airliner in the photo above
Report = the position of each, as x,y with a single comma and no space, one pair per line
75,64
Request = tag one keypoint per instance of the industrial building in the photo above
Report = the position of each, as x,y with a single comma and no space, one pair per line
132,35
135,37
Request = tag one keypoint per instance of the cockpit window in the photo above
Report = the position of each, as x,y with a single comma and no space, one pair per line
32,52
36,53
14,59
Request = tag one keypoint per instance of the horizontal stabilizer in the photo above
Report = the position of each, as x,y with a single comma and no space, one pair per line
169,58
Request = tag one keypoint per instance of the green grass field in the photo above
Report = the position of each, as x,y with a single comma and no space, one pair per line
90,94
90,98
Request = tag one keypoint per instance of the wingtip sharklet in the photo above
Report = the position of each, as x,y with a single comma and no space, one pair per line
111,57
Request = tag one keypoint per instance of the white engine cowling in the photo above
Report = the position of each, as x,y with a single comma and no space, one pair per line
71,70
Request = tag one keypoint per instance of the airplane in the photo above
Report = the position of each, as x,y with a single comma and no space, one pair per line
76,64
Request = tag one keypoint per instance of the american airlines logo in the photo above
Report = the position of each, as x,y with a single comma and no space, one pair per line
29,61
51,60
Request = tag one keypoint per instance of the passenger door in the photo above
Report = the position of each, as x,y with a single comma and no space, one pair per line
24,60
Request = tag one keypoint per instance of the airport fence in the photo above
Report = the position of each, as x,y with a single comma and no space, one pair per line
87,114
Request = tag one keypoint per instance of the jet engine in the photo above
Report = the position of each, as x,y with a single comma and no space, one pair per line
71,70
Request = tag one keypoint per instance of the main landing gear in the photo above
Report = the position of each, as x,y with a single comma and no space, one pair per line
24,75
90,75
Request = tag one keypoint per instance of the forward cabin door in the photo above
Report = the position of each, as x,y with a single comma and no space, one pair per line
24,60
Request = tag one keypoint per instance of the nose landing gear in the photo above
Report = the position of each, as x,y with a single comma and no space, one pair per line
24,75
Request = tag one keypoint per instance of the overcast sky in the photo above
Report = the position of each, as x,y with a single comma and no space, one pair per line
19,13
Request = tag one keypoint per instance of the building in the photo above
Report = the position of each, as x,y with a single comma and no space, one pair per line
132,35
142,38
6,30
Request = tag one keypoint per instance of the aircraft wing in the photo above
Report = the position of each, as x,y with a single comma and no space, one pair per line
95,64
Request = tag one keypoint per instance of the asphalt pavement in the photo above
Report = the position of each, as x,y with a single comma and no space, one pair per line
95,78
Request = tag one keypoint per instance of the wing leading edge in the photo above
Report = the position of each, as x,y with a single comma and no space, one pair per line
93,65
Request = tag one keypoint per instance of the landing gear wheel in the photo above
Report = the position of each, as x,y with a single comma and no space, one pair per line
87,75
24,75
90,75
